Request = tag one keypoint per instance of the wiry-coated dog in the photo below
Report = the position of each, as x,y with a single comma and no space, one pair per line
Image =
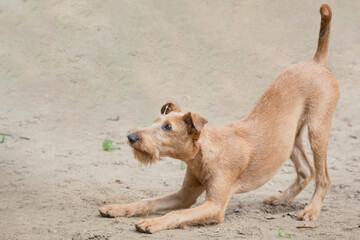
243,156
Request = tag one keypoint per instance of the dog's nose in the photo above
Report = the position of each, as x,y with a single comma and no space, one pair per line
132,138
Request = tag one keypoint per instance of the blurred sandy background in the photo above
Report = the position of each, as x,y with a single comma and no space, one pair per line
68,66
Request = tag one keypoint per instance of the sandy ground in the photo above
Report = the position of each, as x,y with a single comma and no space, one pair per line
68,66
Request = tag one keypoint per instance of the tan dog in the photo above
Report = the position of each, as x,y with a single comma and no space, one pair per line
243,156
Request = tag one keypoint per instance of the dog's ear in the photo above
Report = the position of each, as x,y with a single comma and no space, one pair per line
195,123
169,107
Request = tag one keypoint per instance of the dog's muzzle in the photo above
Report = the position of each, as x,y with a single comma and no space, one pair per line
132,138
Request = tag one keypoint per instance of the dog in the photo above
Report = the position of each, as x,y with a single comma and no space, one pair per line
244,155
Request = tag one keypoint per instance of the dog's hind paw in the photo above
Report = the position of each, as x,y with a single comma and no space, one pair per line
308,214
275,200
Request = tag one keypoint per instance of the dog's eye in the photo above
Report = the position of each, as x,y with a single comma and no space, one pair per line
167,127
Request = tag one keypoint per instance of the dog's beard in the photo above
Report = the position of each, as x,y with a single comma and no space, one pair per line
146,157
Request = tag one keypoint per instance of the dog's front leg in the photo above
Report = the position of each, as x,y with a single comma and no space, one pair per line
184,198
212,211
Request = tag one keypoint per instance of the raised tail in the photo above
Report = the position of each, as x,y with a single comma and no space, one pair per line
322,52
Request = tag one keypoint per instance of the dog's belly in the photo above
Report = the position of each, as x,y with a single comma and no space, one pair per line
254,180
267,161
256,176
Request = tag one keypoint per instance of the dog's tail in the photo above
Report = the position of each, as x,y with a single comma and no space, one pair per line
322,52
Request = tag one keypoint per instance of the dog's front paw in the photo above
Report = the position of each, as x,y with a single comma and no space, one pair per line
117,210
309,214
149,225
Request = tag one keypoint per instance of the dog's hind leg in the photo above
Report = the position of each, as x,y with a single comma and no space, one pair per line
319,133
304,169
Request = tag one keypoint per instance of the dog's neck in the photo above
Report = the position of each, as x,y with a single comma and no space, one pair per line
197,167
196,163
206,153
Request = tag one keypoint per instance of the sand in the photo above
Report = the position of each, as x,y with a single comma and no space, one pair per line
68,66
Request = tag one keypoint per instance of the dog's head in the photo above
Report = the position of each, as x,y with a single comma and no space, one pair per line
173,134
